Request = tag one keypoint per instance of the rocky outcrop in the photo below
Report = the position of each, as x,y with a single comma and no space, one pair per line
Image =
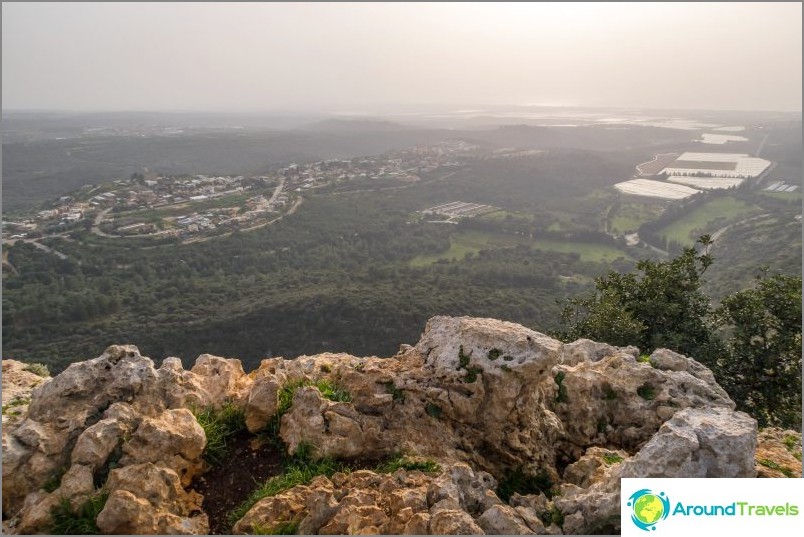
485,398
107,418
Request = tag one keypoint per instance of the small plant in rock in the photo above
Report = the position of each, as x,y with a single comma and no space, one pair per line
767,463
81,521
390,387
325,368
644,358
219,425
54,481
508,358
463,359
433,410
647,392
281,528
793,445
16,402
602,425
505,368
561,395
494,354
612,458
37,369
332,391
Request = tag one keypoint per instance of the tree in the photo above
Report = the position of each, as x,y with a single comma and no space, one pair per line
752,342
762,369
662,308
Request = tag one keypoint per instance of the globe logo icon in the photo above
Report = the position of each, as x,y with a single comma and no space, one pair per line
648,508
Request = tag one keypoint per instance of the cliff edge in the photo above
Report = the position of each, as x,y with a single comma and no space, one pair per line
504,430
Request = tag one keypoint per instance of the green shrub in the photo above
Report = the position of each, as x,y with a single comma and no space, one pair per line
219,426
494,354
646,392
433,410
82,520
644,358
38,369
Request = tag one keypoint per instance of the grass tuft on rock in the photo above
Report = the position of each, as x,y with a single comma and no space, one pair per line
81,521
282,528
37,369
399,461
299,469
219,426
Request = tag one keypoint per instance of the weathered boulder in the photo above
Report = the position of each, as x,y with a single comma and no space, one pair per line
148,499
699,442
110,411
173,440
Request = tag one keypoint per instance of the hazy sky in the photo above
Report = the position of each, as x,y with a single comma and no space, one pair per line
334,57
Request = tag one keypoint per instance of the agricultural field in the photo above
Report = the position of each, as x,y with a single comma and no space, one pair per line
655,189
659,162
708,218
705,183
465,242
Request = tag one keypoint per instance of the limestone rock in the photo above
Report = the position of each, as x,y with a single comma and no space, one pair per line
143,497
174,440
503,520
699,442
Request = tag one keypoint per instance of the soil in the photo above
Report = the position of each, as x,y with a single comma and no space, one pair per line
224,487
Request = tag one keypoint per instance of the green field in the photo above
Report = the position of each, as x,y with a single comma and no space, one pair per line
708,218
465,242
502,214
632,215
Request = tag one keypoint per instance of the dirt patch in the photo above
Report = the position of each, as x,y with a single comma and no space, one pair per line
225,487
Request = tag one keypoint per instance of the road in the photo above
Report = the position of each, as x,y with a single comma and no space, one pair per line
39,245
96,224
761,145
398,187
719,233
292,210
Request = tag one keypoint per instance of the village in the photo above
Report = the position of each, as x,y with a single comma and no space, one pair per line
193,207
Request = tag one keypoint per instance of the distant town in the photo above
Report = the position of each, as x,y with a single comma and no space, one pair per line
198,207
